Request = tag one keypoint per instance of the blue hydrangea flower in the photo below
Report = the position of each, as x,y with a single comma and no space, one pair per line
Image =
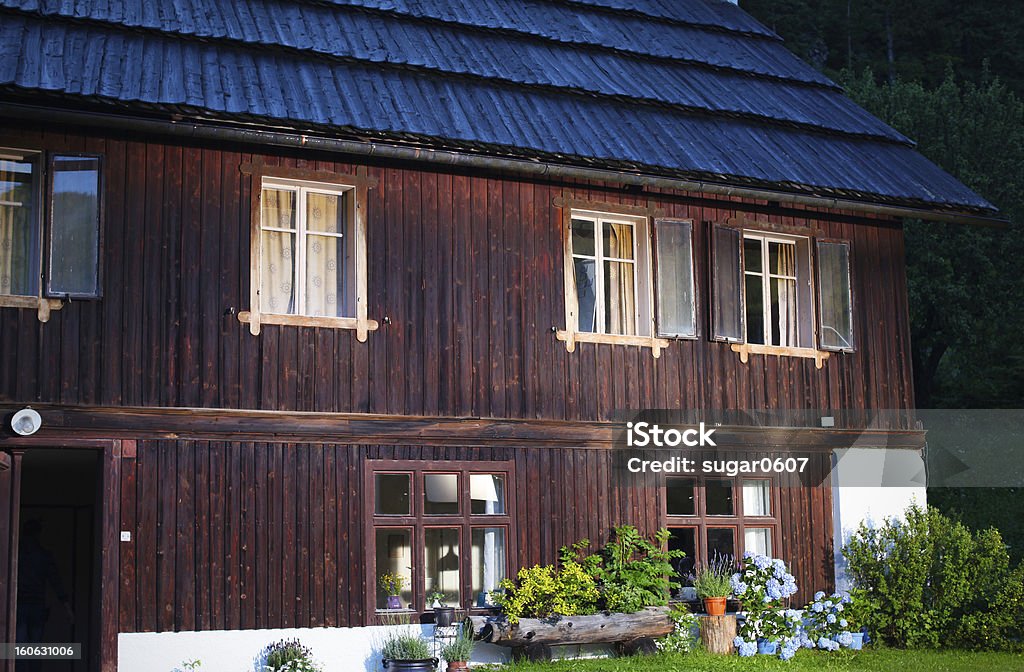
825,643
839,607
762,561
819,595
843,623
738,642
828,603
817,607
831,618
786,654
773,588
748,649
845,638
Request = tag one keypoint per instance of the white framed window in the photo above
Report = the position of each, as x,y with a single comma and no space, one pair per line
308,251
608,280
777,283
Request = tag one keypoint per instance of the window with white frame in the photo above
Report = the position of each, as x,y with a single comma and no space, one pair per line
307,255
775,275
610,274
308,262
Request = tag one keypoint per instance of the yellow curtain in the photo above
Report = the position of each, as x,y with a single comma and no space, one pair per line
620,288
324,256
277,275
787,296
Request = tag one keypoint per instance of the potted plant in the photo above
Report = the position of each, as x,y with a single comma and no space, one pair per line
289,655
444,615
458,651
713,583
392,584
405,650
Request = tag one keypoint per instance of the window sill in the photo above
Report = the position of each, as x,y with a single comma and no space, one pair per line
571,338
42,306
747,349
254,320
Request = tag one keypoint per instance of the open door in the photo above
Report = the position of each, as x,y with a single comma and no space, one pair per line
10,499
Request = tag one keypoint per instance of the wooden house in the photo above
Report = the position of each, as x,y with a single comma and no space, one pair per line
305,292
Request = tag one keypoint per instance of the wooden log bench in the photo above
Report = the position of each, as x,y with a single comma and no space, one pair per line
532,638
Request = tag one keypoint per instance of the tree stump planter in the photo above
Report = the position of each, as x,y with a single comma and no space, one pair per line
533,637
717,633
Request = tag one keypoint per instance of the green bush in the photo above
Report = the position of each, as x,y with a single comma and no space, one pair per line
933,583
539,592
405,644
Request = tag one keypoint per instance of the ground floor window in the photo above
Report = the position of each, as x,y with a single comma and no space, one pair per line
439,530
713,517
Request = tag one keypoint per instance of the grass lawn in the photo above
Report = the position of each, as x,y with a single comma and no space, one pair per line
882,660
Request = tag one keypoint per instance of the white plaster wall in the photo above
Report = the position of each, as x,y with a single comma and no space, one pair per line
871,485
338,649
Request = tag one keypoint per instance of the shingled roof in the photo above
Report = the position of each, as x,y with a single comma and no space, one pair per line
695,89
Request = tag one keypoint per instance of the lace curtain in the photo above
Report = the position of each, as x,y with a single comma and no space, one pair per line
16,240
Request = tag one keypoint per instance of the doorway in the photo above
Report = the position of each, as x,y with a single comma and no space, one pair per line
58,558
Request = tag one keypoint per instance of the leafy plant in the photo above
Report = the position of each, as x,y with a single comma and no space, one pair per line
683,637
826,622
763,584
289,655
542,591
632,572
191,665
714,579
437,597
459,649
392,583
934,583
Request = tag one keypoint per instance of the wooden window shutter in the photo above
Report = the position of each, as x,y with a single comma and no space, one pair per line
677,303
835,296
727,323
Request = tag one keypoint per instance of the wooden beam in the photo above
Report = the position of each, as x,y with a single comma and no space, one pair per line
143,422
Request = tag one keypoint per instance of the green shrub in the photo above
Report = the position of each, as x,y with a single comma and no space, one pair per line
932,583
539,592
405,644
714,579
289,655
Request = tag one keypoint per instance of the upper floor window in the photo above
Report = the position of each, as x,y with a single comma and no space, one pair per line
308,250
307,255
777,288
50,210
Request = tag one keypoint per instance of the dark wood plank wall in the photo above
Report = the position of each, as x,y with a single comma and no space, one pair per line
241,535
469,271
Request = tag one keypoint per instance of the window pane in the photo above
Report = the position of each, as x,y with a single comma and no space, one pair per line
391,494
676,304
326,212
758,540
488,566
782,259
726,283
679,499
755,309
757,499
441,563
721,543
75,222
19,229
278,208
836,331
752,261
784,312
487,492
620,298
440,494
277,273
683,539
327,278
586,293
583,237
618,240
394,556
718,498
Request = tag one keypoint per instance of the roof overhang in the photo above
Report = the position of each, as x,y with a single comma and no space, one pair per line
206,129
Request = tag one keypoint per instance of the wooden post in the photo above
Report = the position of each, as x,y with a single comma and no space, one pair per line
717,633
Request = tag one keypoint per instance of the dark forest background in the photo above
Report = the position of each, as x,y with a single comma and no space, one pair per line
950,75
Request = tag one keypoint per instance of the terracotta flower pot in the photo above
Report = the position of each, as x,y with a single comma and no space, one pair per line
458,666
715,606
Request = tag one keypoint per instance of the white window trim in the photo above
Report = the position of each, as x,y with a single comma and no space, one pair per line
767,276
643,277
316,182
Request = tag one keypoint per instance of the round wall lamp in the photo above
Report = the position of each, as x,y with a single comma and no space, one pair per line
26,422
